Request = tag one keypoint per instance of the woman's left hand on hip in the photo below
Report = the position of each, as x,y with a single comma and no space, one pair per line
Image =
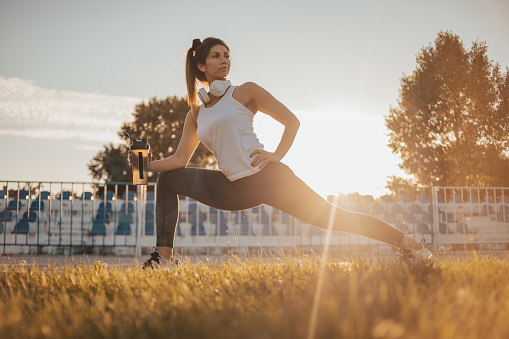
262,158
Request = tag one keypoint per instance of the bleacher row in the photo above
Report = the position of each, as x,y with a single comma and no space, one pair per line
482,218
96,216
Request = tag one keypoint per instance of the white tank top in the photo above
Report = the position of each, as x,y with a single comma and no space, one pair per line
226,129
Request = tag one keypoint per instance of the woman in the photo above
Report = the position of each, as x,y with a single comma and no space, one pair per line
249,175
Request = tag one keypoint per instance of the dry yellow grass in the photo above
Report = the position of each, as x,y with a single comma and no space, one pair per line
258,298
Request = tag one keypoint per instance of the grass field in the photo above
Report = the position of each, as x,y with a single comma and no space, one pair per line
259,298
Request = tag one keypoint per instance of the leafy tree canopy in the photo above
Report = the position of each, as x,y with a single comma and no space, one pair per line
161,122
451,125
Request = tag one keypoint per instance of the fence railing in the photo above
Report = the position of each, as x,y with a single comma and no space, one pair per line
119,218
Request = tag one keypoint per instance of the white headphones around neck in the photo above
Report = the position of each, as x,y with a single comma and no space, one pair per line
217,88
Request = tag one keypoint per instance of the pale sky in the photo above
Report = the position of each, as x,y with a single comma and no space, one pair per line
71,73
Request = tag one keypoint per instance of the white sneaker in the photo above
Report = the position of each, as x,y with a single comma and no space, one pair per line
420,254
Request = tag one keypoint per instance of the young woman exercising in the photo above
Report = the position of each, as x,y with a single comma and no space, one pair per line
249,176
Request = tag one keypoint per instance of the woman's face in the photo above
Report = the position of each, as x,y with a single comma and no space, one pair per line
217,65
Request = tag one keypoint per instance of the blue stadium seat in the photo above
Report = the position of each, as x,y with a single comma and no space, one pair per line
109,195
151,195
149,224
462,228
44,195
35,205
6,216
2,228
3,193
12,205
242,218
105,207
66,195
149,207
130,195
127,207
267,227
125,218
423,228
196,221
123,229
29,216
21,227
191,207
443,229
21,194
98,228
223,227
102,217
86,196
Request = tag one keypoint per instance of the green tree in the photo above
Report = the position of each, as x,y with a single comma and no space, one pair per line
451,125
161,122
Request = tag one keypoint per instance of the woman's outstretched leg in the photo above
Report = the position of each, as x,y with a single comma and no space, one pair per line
206,186
280,188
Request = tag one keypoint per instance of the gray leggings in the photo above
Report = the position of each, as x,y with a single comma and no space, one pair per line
275,185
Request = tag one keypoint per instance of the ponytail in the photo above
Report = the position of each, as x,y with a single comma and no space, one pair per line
195,55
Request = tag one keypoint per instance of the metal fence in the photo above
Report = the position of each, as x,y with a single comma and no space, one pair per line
119,218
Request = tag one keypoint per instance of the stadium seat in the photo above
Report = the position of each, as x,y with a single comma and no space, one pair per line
66,195
387,198
223,227
487,210
3,193
109,195
12,205
242,218
21,227
443,229
473,198
427,218
29,216
415,209
405,198
44,195
488,198
86,196
422,228
423,198
502,215
6,216
127,207
196,221
456,199
2,228
35,205
105,207
98,228
397,209
123,229
149,224
462,228
21,194
102,217
125,218
151,195
267,227
149,207
129,195
504,198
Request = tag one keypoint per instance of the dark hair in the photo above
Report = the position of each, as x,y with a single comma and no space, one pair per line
197,54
